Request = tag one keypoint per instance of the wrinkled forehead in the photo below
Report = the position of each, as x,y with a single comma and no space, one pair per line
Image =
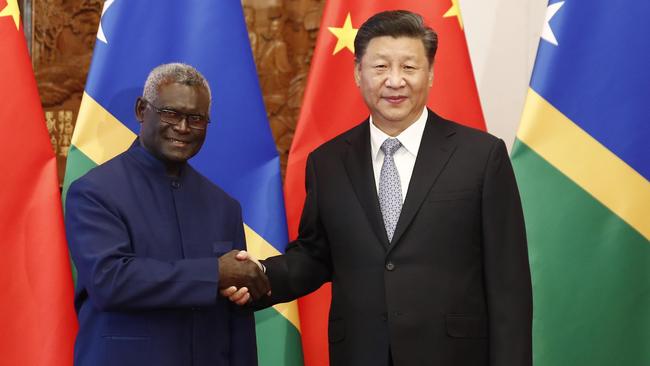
171,89
172,94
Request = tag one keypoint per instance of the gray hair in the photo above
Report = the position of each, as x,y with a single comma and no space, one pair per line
173,73
395,23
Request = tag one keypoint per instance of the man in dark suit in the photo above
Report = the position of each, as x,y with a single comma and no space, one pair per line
415,220
153,241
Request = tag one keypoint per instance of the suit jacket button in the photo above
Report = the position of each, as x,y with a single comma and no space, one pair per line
390,266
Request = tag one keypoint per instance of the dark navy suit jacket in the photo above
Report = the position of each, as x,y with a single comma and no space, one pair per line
146,247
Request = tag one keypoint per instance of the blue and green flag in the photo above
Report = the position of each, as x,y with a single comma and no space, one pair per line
239,154
582,160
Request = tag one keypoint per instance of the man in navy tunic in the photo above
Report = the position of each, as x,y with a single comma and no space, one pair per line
154,241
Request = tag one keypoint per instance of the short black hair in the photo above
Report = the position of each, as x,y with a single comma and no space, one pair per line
395,23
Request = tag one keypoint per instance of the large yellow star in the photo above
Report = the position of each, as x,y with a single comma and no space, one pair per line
345,36
454,11
12,10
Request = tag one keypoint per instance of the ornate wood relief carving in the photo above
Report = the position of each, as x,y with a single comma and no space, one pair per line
63,36
283,36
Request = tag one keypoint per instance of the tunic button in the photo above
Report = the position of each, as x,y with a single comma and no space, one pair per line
176,184
390,266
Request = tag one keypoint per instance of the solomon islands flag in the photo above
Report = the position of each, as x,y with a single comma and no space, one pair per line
582,160
239,154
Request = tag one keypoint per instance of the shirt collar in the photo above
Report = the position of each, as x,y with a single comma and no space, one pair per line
410,138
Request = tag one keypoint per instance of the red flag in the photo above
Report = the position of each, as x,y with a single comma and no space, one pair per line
37,319
332,104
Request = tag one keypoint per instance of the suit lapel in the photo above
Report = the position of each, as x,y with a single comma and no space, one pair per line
358,165
436,148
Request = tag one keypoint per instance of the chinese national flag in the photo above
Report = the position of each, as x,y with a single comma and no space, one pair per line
332,104
37,319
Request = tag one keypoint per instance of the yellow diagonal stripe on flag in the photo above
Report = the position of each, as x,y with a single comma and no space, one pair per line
586,161
98,134
261,249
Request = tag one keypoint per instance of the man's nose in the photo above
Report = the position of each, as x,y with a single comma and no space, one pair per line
183,125
395,78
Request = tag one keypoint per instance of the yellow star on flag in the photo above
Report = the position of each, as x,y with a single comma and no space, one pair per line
345,36
454,11
12,10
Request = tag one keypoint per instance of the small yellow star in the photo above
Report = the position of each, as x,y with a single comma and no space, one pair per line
454,11
345,36
12,10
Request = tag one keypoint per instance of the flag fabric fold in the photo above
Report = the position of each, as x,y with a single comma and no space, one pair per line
37,319
332,104
239,154
582,162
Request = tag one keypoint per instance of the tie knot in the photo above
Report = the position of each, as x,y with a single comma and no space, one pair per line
390,146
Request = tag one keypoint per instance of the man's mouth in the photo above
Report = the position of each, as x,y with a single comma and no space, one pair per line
176,142
395,99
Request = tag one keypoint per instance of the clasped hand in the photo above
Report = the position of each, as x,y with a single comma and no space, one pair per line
241,277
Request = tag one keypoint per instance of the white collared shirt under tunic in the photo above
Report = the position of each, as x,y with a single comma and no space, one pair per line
404,157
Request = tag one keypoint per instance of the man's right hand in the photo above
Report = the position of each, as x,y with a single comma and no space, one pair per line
244,275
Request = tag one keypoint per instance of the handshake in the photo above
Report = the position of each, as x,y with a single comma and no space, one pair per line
242,278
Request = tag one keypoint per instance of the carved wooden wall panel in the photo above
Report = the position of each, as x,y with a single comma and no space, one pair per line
63,36
282,34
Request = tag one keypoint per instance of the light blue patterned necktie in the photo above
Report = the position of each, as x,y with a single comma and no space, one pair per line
390,188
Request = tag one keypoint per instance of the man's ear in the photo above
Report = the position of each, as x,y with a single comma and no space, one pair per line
357,78
431,76
140,105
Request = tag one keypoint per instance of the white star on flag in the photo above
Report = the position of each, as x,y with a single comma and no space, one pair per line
100,32
547,33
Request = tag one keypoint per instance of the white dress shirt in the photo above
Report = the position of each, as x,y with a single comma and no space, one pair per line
404,157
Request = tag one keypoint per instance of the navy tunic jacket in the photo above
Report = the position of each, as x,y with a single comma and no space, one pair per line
146,247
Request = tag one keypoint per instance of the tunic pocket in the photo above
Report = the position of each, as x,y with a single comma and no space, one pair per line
125,350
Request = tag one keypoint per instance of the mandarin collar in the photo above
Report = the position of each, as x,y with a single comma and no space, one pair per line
152,163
